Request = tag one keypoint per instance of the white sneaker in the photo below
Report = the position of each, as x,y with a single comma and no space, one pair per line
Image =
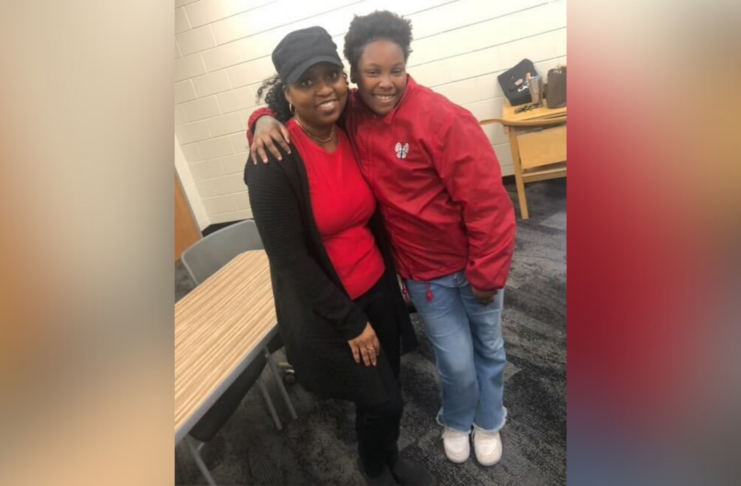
457,445
488,446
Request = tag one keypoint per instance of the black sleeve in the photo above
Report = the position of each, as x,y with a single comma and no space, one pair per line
342,121
277,212
378,228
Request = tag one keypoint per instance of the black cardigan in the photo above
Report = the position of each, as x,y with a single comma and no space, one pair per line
316,316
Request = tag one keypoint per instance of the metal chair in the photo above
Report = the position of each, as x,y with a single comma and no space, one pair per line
208,255
222,410
202,260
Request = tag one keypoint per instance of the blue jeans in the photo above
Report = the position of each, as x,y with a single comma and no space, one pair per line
469,348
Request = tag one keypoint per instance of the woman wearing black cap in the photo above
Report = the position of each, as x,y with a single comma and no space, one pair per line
340,310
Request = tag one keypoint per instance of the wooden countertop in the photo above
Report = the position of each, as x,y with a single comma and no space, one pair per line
508,113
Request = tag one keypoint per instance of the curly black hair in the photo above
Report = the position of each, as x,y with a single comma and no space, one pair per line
380,24
272,89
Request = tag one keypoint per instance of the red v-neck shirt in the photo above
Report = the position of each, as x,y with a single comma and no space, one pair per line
342,204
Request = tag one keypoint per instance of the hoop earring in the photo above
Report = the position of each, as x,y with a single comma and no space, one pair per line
292,109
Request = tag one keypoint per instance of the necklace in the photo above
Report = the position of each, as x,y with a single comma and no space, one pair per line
326,140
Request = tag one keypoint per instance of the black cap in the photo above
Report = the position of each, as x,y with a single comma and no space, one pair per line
301,49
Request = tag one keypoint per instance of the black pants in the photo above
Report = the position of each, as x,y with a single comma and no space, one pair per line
378,425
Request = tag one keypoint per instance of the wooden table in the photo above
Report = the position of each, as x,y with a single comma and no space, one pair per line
220,327
537,139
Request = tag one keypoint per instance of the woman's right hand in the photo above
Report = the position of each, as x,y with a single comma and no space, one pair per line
366,346
268,133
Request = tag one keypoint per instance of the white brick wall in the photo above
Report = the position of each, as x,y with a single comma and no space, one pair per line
189,187
184,91
196,40
212,83
223,52
189,66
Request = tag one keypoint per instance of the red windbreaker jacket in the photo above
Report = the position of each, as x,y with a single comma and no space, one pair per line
439,187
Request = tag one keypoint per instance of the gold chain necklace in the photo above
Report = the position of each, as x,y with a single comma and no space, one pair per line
327,140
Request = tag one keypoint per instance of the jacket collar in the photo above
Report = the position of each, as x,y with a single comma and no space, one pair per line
358,103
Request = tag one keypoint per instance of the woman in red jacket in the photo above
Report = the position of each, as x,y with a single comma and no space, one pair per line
451,223
340,311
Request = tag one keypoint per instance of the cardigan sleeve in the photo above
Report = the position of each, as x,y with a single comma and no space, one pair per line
277,212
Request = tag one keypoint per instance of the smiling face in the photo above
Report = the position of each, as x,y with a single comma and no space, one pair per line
319,95
381,75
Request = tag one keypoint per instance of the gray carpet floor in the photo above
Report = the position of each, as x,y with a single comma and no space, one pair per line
319,447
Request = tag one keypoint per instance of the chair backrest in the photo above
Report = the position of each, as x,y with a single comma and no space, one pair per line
208,255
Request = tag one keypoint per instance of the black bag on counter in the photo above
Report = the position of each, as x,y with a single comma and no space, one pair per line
556,94
514,83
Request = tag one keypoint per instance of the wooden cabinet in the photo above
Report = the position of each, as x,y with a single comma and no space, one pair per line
537,138
186,227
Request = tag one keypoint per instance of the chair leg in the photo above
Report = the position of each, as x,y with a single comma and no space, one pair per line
194,450
279,380
517,163
289,373
269,402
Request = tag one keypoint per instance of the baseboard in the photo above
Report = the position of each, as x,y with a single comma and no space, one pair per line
216,227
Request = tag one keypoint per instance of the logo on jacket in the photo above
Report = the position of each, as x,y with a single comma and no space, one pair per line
402,150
